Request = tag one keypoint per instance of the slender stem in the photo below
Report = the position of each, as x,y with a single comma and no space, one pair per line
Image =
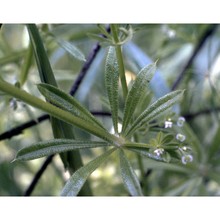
120,60
38,175
58,113
18,130
85,69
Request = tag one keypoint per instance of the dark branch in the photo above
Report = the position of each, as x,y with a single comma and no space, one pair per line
19,129
85,68
210,30
203,112
38,175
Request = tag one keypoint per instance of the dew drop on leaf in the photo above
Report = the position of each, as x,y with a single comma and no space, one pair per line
187,159
180,121
181,137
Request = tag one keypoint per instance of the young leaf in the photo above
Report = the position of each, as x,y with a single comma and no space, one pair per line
67,102
71,49
137,90
46,148
155,110
75,183
129,177
112,81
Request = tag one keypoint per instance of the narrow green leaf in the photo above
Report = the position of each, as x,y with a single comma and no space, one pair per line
75,183
46,148
68,103
103,41
26,65
137,90
71,49
103,30
43,64
111,82
155,110
129,177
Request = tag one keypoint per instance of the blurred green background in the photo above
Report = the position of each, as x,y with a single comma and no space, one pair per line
171,44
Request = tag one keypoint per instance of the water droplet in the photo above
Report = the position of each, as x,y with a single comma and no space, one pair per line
168,123
184,148
181,137
159,151
187,159
180,121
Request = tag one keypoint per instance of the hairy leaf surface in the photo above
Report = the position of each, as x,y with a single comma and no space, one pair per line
67,102
138,88
155,110
46,148
129,177
112,82
75,183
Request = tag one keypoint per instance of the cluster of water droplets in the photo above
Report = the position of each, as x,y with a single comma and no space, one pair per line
186,157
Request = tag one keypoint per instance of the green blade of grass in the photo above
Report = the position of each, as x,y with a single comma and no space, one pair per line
43,64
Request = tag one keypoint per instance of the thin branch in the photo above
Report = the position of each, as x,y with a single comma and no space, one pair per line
202,112
85,68
19,129
38,175
210,30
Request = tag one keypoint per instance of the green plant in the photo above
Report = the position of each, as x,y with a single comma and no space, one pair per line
148,130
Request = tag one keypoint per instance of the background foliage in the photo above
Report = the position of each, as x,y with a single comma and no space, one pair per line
188,59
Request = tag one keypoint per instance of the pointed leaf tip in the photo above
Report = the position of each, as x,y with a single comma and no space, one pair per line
137,90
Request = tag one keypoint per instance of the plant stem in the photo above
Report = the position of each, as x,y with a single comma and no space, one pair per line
58,113
120,60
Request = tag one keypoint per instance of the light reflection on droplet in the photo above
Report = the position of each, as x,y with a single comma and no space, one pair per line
159,151
180,121
187,159
181,137
168,123
184,148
